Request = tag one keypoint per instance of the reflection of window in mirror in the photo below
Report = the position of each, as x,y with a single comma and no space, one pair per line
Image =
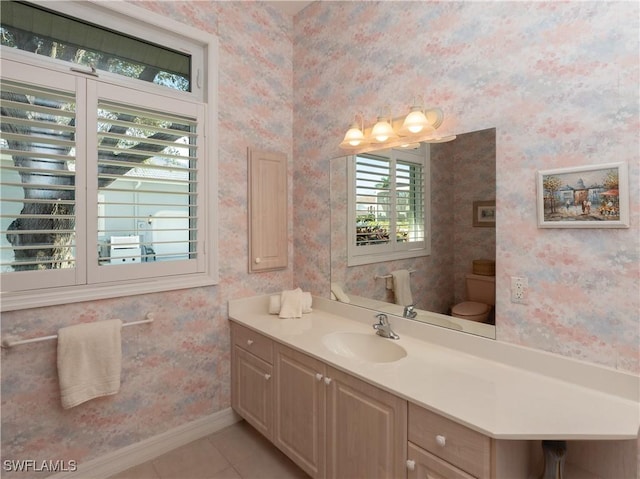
388,206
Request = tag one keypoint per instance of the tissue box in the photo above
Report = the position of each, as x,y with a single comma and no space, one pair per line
484,267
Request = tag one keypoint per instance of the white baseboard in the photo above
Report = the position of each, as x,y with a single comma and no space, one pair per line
148,449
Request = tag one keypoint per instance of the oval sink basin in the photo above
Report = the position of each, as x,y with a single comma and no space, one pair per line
367,347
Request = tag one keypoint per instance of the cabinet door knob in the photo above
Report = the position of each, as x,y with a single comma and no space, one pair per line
267,376
318,376
441,440
257,260
327,381
411,464
249,342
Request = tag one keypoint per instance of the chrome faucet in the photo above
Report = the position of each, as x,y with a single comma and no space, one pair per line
383,327
410,312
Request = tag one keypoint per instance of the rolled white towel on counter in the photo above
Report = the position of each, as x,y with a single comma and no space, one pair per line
274,304
286,304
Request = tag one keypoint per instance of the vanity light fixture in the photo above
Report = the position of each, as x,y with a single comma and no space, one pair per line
419,125
354,138
416,122
382,131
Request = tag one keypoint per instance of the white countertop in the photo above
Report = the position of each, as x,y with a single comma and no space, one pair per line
501,390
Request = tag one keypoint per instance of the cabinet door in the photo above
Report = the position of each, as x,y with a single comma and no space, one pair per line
268,239
423,465
300,409
366,430
252,391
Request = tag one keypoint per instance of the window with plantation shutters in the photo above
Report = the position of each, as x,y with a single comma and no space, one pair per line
108,188
388,206
147,184
39,185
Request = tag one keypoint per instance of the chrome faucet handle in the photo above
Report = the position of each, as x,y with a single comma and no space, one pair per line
382,318
383,327
409,311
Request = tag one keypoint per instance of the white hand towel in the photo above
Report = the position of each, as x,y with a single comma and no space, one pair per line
89,361
291,303
402,287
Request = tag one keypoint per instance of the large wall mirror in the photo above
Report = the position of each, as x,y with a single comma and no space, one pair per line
460,192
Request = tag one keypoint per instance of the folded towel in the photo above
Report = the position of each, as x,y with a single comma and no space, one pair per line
291,303
89,361
306,298
402,287
337,293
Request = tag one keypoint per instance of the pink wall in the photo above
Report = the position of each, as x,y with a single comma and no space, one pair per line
176,370
559,82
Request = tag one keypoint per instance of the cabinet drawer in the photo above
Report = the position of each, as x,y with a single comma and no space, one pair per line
425,464
463,447
253,342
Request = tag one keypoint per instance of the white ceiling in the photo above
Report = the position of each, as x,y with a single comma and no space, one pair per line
288,7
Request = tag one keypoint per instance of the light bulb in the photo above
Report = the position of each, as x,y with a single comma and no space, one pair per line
415,122
382,130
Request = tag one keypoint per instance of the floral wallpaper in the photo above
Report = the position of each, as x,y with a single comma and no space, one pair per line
175,370
558,81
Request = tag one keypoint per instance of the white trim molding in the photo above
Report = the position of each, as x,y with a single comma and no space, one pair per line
135,454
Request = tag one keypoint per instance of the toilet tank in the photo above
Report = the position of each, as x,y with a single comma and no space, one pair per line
481,288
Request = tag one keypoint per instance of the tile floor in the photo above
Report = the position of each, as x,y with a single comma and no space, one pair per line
236,452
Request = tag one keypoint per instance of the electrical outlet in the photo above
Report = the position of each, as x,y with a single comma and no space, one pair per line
519,286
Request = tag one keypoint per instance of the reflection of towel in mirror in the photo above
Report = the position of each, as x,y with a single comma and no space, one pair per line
89,361
402,287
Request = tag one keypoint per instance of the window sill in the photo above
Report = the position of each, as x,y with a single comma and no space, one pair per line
12,301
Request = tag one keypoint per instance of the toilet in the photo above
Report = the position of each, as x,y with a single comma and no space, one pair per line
481,296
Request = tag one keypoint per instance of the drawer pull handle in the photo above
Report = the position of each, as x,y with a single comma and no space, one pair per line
441,440
258,260
318,376
411,464
267,376
249,342
327,381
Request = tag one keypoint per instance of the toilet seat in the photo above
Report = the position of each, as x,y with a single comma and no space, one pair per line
471,310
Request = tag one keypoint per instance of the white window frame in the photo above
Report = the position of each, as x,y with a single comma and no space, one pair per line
359,255
206,93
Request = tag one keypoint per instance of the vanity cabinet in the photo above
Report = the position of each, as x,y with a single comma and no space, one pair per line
300,409
366,429
252,378
440,448
334,425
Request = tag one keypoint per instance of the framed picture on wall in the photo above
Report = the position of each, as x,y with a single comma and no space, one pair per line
593,196
484,213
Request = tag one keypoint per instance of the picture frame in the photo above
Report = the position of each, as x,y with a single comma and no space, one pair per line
484,214
592,196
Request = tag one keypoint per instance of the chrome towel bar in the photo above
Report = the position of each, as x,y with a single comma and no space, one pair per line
387,276
9,343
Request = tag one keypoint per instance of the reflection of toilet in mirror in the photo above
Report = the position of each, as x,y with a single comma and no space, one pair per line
481,297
